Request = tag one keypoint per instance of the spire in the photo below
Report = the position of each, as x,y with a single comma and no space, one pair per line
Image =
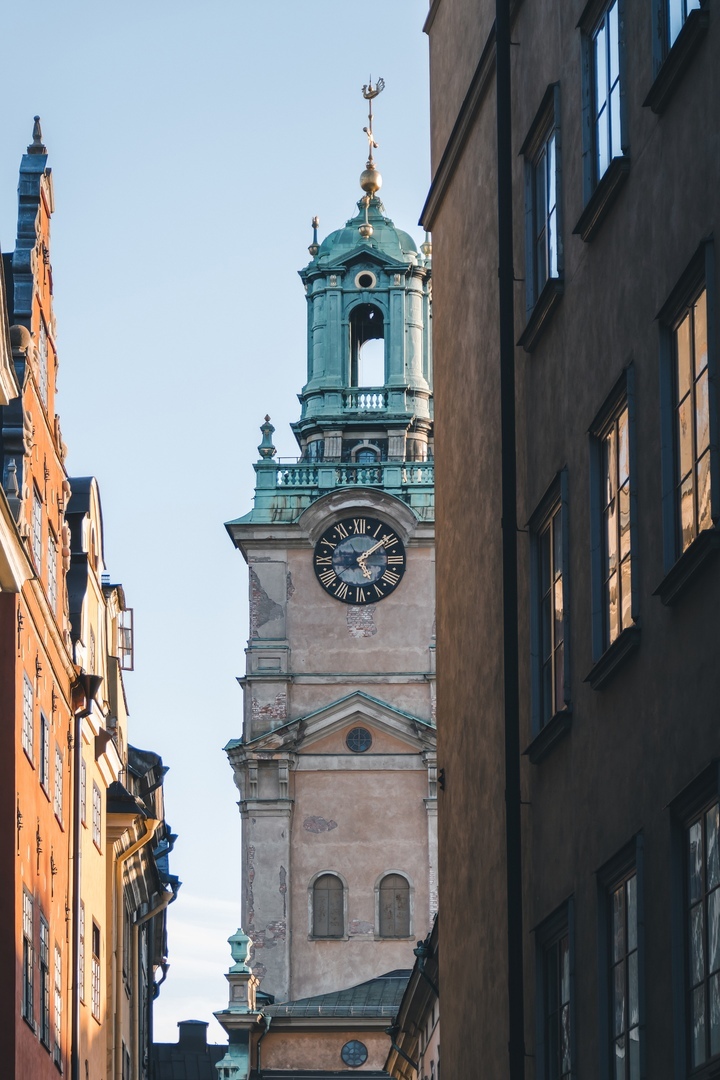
370,178
36,146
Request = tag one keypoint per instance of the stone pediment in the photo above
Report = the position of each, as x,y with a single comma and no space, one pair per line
300,735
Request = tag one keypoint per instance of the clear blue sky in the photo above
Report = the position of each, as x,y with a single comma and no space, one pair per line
191,144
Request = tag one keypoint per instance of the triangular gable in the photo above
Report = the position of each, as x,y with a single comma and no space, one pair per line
356,708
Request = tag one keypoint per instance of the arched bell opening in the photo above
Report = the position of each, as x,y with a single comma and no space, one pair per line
367,346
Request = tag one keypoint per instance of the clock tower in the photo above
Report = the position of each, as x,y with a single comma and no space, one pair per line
336,761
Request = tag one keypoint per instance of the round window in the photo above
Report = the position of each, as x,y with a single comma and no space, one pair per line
366,280
354,1053
358,740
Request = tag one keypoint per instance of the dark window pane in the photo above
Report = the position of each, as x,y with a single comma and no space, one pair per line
698,1026
702,414
713,931
633,999
695,863
619,1019
715,1015
703,492
634,1045
618,918
619,1046
697,946
712,825
632,912
684,367
685,437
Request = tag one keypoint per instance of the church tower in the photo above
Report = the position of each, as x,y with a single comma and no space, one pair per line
336,762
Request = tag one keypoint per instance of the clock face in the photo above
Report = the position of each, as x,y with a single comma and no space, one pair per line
359,560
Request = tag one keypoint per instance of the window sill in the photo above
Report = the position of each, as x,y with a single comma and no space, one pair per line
549,736
602,198
711,1071
30,1023
540,315
677,60
311,937
684,570
623,645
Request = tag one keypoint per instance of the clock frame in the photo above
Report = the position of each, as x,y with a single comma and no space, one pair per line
359,560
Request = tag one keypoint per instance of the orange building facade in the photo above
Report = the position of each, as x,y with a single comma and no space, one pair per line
84,881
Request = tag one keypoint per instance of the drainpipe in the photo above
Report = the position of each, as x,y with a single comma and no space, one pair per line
88,685
165,899
151,825
506,275
267,1020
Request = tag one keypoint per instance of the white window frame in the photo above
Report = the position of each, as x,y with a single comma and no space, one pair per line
28,728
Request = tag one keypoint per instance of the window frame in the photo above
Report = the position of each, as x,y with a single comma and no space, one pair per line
44,982
37,530
28,723
378,906
44,762
601,189
546,730
680,566
97,816
691,803
96,972
28,959
81,953
608,654
540,302
619,869
57,1007
550,932
52,576
312,935
58,784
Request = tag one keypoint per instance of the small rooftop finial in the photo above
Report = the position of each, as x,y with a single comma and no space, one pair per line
266,448
314,247
36,146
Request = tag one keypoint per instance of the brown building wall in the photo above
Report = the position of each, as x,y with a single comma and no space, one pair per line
640,741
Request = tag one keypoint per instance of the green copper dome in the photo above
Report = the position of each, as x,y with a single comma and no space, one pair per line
386,238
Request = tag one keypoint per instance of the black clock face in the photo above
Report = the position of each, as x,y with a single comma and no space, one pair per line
359,560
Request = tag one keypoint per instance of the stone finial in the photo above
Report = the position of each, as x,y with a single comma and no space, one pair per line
240,945
36,146
426,246
12,489
266,448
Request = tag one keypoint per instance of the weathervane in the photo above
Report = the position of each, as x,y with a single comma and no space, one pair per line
370,180
369,92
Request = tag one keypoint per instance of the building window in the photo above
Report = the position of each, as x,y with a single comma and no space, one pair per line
57,1052
678,28
52,572
613,519
126,1070
28,732
92,651
37,528
605,89
83,792
624,978
691,492
44,982
96,816
605,145
44,753
328,903
125,632
58,791
555,998
394,907
28,1010
548,533
702,892
95,978
541,151
81,953
692,422
43,363
127,937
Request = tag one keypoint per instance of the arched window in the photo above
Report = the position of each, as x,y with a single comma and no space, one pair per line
394,913
367,346
327,913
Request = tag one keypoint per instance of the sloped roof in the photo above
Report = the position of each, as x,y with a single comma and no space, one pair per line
377,997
